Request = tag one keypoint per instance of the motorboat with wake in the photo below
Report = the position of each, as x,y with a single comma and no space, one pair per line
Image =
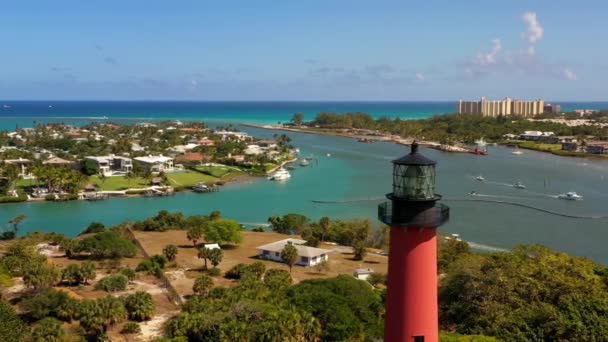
519,185
571,195
480,178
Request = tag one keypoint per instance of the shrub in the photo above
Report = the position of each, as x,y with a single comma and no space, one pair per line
48,329
94,227
108,244
113,283
236,271
12,199
214,272
153,266
202,285
140,306
12,327
128,272
130,328
170,252
376,279
51,303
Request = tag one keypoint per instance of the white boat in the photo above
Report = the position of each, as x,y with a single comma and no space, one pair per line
519,185
280,174
296,150
329,154
480,178
200,187
304,162
517,152
572,196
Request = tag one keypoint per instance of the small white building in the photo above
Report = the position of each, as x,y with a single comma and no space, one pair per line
236,135
156,163
362,273
307,256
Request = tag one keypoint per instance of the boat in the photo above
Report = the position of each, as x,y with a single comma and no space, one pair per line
517,152
280,174
296,150
572,196
304,162
480,178
473,193
329,154
200,187
519,185
290,167
478,152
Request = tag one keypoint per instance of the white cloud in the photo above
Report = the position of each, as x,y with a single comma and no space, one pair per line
490,57
419,76
534,31
569,75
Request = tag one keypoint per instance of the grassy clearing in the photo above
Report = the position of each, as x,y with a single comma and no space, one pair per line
119,183
217,171
540,146
188,179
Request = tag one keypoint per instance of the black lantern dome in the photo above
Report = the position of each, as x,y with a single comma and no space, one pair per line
414,177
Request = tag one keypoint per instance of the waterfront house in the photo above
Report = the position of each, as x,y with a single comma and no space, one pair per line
206,142
62,162
190,157
267,143
569,146
235,135
307,256
253,149
156,163
112,165
23,165
597,147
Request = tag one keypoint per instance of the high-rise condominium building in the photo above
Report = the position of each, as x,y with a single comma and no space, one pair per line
506,106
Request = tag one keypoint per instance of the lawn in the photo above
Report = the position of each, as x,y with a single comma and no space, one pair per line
540,146
188,179
119,183
217,171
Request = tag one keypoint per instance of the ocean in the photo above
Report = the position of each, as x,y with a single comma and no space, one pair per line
27,113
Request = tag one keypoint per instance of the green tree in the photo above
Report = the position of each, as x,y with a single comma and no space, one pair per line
72,274
16,221
277,280
96,316
140,306
214,215
50,303
194,234
215,256
94,227
113,283
41,275
289,224
89,167
12,327
87,271
297,119
223,231
170,251
324,224
360,250
107,245
289,255
48,330
203,253
202,285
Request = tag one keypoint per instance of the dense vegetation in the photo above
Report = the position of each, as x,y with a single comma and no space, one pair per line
449,128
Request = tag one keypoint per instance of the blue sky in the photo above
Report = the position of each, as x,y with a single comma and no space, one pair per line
303,50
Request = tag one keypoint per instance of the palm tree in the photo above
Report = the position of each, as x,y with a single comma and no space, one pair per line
87,271
289,255
324,223
202,285
215,256
170,251
203,253
140,306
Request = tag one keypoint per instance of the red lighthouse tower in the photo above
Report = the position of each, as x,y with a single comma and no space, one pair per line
413,215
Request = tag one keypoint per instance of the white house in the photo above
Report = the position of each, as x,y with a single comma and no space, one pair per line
307,256
362,273
156,163
237,135
112,165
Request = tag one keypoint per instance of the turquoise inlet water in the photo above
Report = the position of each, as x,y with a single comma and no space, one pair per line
356,171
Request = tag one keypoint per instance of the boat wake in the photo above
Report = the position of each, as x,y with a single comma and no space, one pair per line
485,248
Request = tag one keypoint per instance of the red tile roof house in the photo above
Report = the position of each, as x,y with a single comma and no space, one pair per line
206,142
190,157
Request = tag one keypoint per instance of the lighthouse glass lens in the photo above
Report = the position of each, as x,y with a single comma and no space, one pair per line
414,182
